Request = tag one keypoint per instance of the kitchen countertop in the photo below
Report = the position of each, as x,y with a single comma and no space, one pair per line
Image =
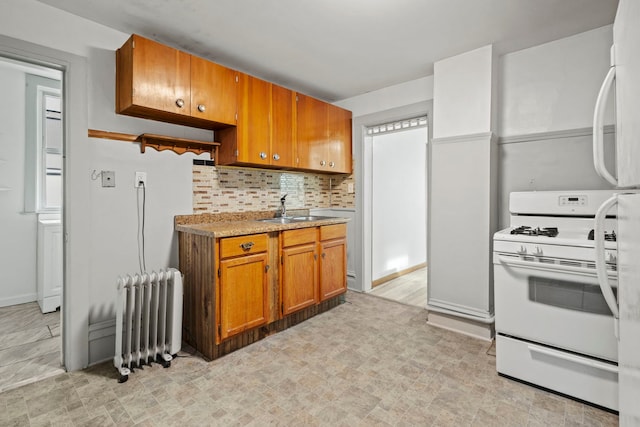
240,224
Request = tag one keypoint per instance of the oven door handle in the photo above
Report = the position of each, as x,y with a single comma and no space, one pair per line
601,266
547,267
572,358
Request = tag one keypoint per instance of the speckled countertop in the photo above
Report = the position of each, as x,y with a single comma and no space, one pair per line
243,223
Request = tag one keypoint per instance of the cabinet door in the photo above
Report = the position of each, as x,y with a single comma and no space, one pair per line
243,294
283,137
154,76
253,132
311,133
213,91
333,268
299,278
339,140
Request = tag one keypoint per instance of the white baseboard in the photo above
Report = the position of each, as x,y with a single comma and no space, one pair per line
18,299
463,326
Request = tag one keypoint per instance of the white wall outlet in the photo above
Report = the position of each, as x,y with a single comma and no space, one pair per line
141,180
350,188
108,178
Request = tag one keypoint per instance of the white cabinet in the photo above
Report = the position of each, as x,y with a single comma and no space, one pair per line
49,275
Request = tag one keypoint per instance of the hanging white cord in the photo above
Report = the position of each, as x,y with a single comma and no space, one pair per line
141,255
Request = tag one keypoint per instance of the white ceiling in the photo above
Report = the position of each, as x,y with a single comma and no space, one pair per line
336,49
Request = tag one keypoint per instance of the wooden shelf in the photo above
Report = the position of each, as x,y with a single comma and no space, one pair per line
177,145
161,142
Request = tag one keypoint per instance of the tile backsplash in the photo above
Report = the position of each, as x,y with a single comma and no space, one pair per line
219,189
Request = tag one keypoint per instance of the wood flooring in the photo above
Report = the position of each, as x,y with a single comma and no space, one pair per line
409,289
29,345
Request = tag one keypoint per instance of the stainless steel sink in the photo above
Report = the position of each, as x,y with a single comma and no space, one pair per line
289,220
310,218
277,220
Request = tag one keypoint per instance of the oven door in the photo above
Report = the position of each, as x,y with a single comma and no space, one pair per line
553,303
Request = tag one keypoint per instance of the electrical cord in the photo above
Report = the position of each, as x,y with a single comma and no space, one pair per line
141,252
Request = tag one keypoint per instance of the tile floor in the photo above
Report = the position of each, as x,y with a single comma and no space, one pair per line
368,362
29,345
408,289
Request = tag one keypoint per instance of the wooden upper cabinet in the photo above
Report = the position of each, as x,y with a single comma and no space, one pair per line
213,91
153,76
323,136
264,133
283,136
158,82
339,141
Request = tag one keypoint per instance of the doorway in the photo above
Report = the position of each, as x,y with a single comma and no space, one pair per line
31,195
399,210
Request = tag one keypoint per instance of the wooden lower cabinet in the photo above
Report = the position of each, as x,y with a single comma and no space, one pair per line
299,275
333,264
238,290
243,294
333,260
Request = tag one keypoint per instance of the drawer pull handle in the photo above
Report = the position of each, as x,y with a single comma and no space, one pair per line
247,245
180,102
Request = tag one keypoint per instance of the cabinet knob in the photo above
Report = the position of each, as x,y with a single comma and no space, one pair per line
276,156
263,155
332,164
201,108
180,102
322,163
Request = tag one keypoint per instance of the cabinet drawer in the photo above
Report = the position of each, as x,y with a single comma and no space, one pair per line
336,231
243,245
299,236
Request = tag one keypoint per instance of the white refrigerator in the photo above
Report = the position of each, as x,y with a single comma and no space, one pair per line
625,304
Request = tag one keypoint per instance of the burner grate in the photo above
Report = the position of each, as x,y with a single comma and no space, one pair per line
529,231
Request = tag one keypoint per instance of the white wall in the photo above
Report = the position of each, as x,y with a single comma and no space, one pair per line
553,86
102,242
400,95
399,228
462,94
18,229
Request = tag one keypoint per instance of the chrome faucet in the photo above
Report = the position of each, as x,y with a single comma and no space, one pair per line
283,208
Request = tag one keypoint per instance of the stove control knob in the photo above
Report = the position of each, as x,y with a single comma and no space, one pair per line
522,250
537,251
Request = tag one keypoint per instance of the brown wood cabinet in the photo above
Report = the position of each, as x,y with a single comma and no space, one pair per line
158,82
242,288
299,274
323,136
264,134
237,290
333,260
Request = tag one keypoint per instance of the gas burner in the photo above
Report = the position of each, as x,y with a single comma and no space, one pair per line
610,237
528,231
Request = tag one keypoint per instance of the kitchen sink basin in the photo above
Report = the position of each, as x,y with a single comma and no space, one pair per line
310,218
289,220
277,220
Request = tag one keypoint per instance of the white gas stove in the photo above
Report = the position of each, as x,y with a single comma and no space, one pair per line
554,328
